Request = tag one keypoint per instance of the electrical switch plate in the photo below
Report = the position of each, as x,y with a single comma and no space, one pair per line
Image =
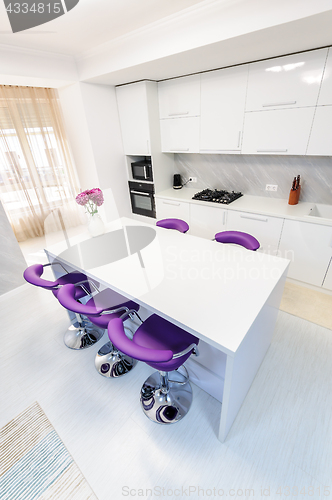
271,187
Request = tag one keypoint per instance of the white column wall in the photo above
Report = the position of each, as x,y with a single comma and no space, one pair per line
93,130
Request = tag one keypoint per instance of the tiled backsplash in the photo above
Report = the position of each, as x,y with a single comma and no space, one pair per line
250,174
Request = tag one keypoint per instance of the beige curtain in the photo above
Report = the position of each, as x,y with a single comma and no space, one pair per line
37,176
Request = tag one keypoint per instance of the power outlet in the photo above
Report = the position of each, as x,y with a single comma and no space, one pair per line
192,179
271,187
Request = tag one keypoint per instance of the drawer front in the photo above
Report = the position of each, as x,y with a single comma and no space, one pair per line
267,230
206,221
168,209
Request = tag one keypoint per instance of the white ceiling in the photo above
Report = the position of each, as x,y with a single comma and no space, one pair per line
120,41
91,23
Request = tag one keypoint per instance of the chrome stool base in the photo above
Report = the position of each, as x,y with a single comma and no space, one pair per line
112,363
166,408
83,336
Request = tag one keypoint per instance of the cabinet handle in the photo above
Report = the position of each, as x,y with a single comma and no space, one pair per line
278,104
272,150
179,149
224,218
140,192
179,114
239,139
216,150
170,203
253,218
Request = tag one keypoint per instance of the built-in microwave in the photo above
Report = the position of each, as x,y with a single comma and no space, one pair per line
142,198
142,170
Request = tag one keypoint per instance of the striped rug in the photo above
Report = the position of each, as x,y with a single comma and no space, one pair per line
34,463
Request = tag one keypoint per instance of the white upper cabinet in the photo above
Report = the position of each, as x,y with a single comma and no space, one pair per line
325,95
320,142
278,132
223,95
179,97
180,135
134,121
286,82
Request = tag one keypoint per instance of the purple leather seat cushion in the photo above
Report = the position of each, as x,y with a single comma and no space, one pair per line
178,224
159,334
239,238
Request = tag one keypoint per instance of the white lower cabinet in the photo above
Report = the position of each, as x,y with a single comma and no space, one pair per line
180,135
328,278
169,209
308,247
206,221
265,229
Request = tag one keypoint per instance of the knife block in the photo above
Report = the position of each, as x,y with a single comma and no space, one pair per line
294,196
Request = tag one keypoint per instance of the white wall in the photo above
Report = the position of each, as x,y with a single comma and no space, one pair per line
207,36
35,68
93,130
12,262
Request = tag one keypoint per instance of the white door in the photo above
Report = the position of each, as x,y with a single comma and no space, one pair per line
223,95
180,135
266,230
325,94
320,142
281,132
134,121
328,278
169,209
286,82
206,221
179,97
308,246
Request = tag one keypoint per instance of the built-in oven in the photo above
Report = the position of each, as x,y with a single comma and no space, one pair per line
142,170
142,198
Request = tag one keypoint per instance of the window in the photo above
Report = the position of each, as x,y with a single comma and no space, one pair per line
37,175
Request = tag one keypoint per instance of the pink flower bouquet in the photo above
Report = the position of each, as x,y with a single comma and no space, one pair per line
91,199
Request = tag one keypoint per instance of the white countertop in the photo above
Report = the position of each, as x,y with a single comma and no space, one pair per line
213,291
274,207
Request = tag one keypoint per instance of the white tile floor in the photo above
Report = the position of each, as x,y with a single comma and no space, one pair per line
280,439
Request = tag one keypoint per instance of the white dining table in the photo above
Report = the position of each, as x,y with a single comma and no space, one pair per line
226,295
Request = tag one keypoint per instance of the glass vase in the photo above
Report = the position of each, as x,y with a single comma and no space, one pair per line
96,226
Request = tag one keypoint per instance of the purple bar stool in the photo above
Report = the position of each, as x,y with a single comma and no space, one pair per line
82,334
100,309
178,224
165,347
237,237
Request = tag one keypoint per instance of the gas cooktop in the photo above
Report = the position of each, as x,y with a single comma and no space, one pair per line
217,196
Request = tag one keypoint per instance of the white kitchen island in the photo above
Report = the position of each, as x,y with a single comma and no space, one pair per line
227,296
